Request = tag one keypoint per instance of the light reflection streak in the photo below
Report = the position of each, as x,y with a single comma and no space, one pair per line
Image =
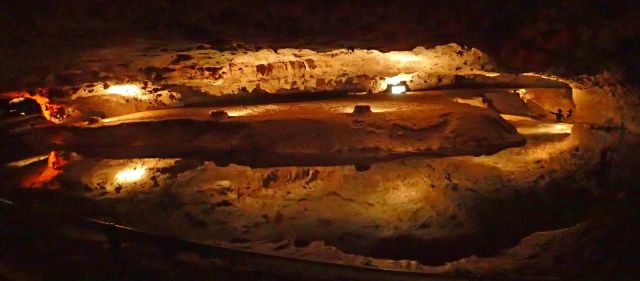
545,129
27,161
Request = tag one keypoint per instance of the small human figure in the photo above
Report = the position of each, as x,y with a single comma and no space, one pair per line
559,115
569,113
603,168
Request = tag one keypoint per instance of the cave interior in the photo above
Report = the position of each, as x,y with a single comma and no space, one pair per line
310,140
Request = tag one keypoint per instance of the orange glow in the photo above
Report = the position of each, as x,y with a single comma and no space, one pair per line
46,174
52,112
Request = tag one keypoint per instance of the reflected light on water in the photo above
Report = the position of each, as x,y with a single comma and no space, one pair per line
27,161
239,112
131,174
44,176
546,128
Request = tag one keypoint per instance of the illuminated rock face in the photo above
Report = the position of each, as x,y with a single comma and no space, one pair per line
479,200
229,49
97,82
284,70
605,98
150,75
146,75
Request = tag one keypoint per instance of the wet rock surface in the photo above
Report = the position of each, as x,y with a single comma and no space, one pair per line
299,136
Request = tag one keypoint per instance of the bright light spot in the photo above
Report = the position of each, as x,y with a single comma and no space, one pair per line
131,174
517,118
524,94
395,80
490,74
562,128
127,90
16,100
27,161
239,112
376,109
398,89
403,57
545,129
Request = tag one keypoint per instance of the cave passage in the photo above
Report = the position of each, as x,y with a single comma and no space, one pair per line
427,158
317,151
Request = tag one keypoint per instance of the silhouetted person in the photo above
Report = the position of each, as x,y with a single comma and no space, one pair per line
569,113
559,115
603,167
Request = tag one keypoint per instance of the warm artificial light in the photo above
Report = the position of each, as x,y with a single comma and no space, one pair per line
131,174
395,80
546,129
403,57
398,89
127,90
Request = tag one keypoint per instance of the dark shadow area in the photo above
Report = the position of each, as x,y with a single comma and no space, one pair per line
569,36
499,223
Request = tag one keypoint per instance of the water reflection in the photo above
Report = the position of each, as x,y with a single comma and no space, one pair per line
403,202
42,175
131,174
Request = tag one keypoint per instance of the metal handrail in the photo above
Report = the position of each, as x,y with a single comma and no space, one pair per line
269,263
